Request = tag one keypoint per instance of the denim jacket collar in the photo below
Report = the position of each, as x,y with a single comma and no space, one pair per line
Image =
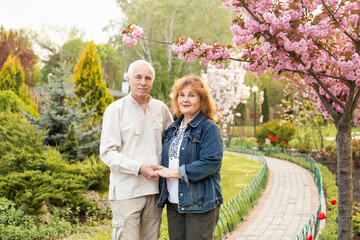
193,123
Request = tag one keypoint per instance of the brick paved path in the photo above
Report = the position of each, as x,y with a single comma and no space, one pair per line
288,201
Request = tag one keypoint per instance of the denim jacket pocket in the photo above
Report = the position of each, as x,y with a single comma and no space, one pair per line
195,138
193,150
196,195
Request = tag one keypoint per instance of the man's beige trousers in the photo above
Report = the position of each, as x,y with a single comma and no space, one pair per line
136,218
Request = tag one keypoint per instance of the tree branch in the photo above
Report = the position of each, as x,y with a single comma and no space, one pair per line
356,99
326,50
333,17
346,81
239,60
322,85
148,39
250,12
326,104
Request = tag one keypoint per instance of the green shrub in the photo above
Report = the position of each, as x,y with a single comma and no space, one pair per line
32,189
15,224
356,219
9,101
92,169
19,162
280,134
18,135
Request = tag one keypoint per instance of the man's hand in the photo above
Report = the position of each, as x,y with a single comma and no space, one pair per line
149,171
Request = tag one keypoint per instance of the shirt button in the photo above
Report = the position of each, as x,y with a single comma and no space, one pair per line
185,136
183,148
181,194
182,209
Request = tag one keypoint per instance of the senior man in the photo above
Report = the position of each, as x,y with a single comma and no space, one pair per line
131,143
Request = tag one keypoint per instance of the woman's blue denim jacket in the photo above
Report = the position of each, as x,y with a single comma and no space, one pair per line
200,158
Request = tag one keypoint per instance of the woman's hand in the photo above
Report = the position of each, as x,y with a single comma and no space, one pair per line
168,173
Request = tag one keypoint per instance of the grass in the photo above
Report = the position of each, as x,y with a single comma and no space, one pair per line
236,173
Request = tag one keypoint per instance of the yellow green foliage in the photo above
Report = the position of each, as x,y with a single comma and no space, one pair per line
12,102
12,77
18,135
88,78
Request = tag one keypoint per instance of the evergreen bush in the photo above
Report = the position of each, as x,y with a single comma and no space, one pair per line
18,136
32,189
9,101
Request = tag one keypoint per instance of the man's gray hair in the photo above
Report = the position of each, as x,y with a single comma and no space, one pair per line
131,67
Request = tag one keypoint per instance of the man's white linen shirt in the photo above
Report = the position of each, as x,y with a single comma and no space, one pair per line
130,138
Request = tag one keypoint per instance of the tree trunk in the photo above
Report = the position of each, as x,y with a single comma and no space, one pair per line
344,178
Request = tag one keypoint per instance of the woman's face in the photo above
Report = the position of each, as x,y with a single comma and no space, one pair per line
189,102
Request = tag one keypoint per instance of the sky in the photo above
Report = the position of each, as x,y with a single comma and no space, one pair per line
89,16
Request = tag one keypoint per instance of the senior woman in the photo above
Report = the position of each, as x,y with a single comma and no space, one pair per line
192,155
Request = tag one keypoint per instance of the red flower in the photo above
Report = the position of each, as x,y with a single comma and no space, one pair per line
321,216
269,137
276,138
310,237
333,202
284,142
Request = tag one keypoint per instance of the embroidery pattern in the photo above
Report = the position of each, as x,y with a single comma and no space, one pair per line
176,142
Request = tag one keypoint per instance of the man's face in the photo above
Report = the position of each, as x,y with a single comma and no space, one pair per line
141,81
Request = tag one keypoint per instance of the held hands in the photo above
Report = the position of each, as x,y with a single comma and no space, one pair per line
149,171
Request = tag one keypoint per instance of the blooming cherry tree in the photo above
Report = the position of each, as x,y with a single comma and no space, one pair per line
228,91
319,40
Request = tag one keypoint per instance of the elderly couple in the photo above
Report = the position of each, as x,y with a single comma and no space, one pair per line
155,160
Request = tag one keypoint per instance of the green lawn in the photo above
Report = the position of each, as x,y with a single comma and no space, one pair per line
236,173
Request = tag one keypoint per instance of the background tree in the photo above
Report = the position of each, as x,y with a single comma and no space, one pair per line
12,77
88,78
165,20
59,118
300,109
274,88
265,108
227,82
17,44
112,64
58,44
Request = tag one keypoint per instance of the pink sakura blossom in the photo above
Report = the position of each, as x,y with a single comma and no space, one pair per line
138,32
132,33
129,41
220,66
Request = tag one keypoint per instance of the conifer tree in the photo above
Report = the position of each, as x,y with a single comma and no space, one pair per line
71,144
88,78
18,44
265,108
59,117
12,77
